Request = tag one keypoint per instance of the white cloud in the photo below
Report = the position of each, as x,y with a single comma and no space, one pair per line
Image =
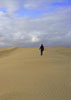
50,29
13,5
35,39
1,14
10,5
30,5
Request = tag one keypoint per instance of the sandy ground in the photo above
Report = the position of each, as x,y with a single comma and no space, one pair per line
25,75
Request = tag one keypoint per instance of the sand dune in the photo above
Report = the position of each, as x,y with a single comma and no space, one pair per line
25,75
7,51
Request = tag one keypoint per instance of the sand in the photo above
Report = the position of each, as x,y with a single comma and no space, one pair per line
25,75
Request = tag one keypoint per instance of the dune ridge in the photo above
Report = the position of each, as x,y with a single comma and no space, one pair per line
7,51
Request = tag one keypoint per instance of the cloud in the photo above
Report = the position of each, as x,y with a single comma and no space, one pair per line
14,5
51,28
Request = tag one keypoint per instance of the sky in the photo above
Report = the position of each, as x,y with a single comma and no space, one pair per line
30,23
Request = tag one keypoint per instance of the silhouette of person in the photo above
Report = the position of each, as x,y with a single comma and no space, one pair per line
41,49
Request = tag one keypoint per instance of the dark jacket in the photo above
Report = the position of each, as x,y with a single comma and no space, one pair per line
42,48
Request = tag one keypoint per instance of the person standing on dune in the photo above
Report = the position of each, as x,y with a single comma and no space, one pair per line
41,49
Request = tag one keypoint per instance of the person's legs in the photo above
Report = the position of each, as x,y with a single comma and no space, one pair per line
41,52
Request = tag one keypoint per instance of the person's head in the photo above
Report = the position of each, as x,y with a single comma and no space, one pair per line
41,44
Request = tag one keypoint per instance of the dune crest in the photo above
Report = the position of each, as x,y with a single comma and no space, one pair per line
7,51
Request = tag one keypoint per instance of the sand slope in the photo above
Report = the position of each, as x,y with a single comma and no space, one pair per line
25,75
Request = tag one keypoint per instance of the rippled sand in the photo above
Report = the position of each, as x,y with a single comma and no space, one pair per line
25,75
